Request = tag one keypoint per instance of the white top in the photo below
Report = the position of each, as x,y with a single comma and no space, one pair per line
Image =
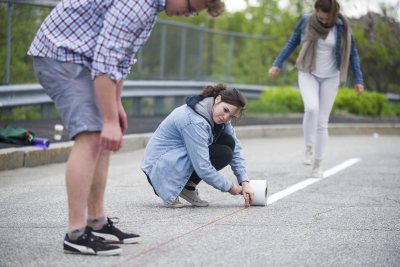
325,56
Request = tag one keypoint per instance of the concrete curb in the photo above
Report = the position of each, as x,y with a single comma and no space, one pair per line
12,158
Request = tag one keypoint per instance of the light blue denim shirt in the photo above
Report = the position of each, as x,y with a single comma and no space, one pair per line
179,146
298,37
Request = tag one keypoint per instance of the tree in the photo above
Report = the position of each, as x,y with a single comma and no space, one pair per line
378,40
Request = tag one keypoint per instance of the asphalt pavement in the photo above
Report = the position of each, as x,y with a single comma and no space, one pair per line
349,218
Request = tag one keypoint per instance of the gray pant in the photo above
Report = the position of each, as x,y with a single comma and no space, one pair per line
71,88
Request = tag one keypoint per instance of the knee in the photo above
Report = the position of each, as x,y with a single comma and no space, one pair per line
227,139
221,156
312,110
90,140
322,125
227,154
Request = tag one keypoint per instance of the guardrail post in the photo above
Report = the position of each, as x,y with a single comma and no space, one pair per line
47,110
5,111
162,51
182,54
179,100
136,106
200,56
10,8
159,105
230,55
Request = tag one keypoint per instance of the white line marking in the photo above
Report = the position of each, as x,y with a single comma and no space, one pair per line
294,188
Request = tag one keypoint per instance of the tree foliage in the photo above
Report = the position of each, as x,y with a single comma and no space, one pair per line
377,37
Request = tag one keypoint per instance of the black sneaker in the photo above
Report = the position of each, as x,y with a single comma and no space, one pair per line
90,244
112,234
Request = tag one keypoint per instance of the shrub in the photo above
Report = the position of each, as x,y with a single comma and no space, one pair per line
368,103
288,100
282,100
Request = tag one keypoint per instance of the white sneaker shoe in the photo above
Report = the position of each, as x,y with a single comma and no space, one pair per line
308,156
193,198
174,205
317,170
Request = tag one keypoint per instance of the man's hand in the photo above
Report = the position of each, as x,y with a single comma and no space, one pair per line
107,98
111,136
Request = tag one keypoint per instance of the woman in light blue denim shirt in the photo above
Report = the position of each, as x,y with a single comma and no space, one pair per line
328,48
194,142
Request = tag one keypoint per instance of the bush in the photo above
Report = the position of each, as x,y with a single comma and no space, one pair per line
283,100
288,100
368,103
21,113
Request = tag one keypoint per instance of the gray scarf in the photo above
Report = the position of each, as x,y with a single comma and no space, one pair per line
306,59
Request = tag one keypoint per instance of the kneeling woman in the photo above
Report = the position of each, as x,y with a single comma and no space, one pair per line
193,143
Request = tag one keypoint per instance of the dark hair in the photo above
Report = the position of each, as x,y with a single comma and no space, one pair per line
231,96
331,7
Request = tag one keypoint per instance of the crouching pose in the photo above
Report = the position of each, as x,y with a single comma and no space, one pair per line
193,143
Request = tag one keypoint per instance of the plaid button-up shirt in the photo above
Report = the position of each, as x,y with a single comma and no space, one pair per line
103,35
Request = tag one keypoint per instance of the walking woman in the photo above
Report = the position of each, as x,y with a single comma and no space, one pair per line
194,142
328,48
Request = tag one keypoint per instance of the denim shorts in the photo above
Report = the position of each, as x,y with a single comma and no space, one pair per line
71,88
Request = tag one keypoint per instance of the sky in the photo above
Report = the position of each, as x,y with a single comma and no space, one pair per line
351,8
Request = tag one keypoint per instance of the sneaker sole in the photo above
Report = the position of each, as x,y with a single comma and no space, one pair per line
175,206
111,239
197,204
133,240
315,175
83,250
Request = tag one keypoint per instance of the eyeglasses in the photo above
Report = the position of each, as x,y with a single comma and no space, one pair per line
191,11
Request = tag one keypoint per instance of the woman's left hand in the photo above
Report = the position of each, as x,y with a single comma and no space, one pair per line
247,191
359,88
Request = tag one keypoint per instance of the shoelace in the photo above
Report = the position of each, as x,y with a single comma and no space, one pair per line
111,221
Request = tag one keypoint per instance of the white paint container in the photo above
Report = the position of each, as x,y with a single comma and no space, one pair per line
260,192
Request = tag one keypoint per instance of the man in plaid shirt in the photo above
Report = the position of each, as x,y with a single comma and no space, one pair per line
81,54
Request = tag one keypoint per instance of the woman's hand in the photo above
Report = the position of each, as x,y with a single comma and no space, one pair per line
359,88
248,192
235,190
273,72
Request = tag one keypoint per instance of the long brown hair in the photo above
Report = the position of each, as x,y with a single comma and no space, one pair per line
231,96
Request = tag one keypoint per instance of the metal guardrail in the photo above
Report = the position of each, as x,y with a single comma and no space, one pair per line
158,91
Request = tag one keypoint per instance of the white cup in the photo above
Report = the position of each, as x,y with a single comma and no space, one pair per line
58,131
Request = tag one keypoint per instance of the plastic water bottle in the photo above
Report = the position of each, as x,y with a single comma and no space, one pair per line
40,142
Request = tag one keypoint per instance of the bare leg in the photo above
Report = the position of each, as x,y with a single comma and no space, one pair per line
96,195
79,177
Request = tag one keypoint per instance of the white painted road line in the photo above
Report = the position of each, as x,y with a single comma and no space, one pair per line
294,188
